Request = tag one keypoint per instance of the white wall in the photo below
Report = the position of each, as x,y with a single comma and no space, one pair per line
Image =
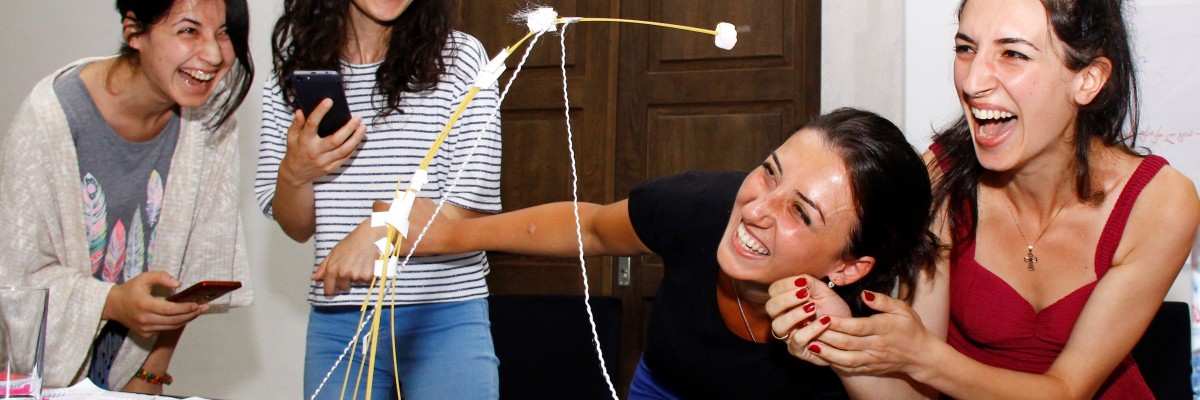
862,50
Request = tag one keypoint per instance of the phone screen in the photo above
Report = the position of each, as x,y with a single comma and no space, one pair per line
314,86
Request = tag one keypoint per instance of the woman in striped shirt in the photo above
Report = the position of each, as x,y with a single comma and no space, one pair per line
404,69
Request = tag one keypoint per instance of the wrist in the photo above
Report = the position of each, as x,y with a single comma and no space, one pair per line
153,378
288,177
923,367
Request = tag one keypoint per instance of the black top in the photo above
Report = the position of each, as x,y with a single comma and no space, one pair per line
689,349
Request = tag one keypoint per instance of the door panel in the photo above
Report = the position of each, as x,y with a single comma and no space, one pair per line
535,162
645,102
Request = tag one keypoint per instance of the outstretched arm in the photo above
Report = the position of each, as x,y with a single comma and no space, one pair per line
547,230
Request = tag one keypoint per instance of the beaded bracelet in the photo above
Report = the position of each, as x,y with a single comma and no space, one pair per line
148,376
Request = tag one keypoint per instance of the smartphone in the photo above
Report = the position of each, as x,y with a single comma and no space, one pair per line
314,86
204,292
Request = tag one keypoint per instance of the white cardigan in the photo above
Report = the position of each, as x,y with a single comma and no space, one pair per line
199,236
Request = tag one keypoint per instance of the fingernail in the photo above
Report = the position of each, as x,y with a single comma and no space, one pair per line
810,307
825,320
801,282
803,293
813,348
868,295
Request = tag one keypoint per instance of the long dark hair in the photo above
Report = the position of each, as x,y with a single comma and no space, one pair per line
1090,29
237,25
892,200
311,34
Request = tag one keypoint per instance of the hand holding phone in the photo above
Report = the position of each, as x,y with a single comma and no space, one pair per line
312,87
204,291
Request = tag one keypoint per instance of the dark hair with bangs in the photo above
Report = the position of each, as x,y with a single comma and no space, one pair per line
1089,29
145,13
892,200
311,34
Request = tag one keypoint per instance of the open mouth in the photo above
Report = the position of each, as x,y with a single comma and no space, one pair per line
993,124
749,243
199,75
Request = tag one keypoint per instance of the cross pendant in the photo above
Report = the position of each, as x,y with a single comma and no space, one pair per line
1030,259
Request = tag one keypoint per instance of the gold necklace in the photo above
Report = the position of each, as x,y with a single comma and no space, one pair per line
1031,258
738,296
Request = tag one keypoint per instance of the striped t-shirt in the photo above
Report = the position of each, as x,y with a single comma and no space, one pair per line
393,148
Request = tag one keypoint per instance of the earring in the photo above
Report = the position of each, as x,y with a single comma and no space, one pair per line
831,284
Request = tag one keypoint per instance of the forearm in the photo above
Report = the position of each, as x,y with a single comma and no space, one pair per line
548,230
294,207
164,348
958,376
885,387
156,363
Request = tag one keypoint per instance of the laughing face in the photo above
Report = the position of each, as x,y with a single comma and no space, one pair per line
186,53
792,215
1019,97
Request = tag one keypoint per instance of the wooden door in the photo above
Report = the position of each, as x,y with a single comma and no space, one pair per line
645,102
683,104
535,161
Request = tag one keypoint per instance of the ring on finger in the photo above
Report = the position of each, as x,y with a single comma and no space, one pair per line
784,337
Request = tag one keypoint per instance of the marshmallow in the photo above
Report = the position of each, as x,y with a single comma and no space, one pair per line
541,20
726,36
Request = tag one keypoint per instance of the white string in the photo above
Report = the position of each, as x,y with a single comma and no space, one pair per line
453,184
471,153
562,42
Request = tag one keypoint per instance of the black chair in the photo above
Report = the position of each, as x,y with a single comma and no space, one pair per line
1164,353
544,343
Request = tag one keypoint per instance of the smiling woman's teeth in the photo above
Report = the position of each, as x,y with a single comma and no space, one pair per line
748,241
990,114
200,75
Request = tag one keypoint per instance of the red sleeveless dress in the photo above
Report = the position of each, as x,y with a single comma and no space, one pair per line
991,323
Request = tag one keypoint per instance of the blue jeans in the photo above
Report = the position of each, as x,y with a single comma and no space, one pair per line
646,387
443,351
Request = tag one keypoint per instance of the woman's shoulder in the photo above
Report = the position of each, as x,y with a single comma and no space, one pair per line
465,44
1167,204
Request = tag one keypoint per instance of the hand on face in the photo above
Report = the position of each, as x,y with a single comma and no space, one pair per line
798,301
132,305
894,340
310,156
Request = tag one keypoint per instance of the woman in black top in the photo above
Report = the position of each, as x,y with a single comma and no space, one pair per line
845,199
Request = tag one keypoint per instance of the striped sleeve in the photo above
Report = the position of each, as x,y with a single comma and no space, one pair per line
474,146
276,118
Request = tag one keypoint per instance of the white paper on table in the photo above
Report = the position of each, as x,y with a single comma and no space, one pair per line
86,390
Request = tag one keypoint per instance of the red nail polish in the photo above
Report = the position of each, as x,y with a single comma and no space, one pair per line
825,320
813,348
803,293
868,295
810,307
801,282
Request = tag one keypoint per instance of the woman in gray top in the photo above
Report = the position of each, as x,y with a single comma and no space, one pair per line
119,175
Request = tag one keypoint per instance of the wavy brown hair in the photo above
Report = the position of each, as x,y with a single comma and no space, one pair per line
311,34
892,200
